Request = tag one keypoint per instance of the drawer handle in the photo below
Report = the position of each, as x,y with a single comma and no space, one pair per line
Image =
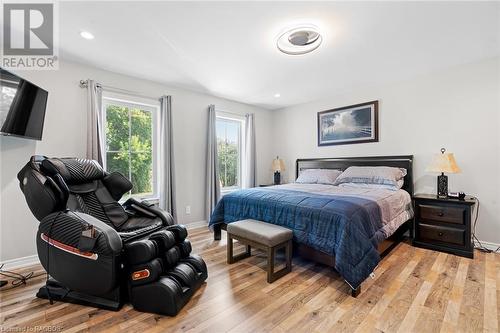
440,234
440,214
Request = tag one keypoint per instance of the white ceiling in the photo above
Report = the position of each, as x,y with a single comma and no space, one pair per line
228,48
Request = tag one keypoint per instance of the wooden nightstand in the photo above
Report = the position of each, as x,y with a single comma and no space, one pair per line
444,224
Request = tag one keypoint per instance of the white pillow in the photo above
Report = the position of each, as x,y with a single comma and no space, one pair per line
375,186
318,176
372,175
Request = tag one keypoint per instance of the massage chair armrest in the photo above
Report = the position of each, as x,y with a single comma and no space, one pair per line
149,209
69,227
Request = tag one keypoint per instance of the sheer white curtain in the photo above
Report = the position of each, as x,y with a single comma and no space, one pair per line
166,172
249,153
212,166
95,141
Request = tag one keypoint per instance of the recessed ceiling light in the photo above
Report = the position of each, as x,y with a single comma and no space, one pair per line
277,95
299,40
86,35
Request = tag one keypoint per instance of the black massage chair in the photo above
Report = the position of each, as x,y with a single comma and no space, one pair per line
98,252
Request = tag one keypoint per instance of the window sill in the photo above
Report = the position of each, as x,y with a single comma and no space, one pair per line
227,191
155,201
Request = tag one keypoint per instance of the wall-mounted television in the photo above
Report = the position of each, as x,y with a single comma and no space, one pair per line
22,107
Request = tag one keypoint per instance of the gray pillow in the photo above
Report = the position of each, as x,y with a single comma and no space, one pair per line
318,176
381,175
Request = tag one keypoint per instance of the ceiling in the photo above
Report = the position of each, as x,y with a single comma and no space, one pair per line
228,48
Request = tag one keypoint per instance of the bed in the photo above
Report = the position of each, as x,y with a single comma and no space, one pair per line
349,229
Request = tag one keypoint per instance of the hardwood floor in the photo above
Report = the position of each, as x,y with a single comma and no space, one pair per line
413,290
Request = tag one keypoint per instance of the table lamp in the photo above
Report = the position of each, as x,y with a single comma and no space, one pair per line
444,162
278,166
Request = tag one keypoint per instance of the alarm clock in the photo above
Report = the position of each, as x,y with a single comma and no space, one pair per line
457,195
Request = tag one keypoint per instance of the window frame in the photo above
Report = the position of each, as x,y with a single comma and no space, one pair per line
241,133
132,102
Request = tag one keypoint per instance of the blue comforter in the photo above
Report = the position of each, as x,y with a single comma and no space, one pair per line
347,227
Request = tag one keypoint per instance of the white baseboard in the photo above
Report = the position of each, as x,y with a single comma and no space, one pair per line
20,262
197,224
489,245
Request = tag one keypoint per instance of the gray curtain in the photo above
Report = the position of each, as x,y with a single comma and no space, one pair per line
94,122
166,174
212,167
249,161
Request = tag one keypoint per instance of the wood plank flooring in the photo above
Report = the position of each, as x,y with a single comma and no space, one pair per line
414,290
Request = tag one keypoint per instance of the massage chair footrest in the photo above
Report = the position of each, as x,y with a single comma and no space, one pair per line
172,290
164,296
58,293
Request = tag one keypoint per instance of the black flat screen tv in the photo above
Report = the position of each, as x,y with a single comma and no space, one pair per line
22,107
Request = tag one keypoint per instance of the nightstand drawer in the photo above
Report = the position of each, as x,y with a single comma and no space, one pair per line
441,234
442,213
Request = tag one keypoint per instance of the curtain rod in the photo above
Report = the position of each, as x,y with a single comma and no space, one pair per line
84,84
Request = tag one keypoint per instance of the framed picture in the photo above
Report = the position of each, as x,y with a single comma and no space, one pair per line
349,124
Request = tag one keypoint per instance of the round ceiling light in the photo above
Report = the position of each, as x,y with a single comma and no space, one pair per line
299,40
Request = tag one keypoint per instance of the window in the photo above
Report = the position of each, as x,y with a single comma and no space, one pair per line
229,150
131,144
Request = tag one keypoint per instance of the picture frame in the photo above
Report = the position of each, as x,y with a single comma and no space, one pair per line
348,125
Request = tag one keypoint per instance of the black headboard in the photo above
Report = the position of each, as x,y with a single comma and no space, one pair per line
342,163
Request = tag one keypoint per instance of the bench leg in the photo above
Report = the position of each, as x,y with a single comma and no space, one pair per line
231,258
271,252
270,264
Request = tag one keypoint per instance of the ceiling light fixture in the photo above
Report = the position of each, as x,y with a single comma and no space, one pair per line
277,95
86,35
299,40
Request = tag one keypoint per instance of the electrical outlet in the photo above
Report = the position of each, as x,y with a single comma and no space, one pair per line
188,210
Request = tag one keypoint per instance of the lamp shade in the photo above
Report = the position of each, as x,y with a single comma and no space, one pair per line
444,162
278,164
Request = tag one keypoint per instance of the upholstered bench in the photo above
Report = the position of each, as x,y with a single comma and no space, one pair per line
264,236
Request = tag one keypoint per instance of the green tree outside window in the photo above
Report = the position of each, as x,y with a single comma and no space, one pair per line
228,151
129,146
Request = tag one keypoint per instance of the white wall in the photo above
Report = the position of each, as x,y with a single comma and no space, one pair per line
65,135
457,109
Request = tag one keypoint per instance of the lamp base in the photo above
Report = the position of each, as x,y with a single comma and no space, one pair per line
277,178
442,186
